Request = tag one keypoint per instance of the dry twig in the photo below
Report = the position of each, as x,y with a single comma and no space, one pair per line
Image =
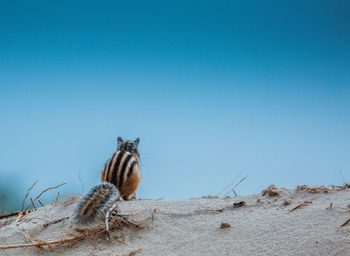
42,192
154,213
41,203
343,187
57,197
24,200
32,203
115,214
20,216
300,205
9,215
40,243
233,189
80,234
345,223
231,183
24,212
55,221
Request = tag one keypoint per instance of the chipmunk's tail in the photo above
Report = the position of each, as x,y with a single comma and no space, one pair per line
97,199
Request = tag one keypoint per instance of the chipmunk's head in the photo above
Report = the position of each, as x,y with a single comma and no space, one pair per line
128,145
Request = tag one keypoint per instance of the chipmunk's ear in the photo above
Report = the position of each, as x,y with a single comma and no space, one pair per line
119,140
137,141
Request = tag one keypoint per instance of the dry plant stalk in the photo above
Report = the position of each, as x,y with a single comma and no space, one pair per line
345,186
231,183
300,205
41,203
9,215
32,203
55,221
20,216
233,189
80,234
345,223
68,240
153,214
57,197
24,212
40,243
24,200
42,192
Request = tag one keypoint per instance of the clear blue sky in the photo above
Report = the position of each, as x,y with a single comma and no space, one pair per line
210,87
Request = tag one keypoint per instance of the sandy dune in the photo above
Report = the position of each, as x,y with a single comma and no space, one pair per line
264,225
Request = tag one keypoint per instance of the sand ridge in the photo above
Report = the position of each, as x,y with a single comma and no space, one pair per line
262,225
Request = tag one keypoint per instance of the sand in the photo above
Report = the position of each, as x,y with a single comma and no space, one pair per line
264,225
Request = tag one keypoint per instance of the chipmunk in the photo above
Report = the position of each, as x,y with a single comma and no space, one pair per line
122,169
95,202
102,200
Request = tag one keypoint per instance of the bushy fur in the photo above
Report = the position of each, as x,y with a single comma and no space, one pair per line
98,198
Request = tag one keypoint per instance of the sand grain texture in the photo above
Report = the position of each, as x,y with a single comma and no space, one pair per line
263,226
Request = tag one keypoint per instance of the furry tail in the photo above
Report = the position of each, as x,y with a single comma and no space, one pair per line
99,197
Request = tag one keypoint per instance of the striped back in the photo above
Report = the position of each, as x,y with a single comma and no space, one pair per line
120,167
